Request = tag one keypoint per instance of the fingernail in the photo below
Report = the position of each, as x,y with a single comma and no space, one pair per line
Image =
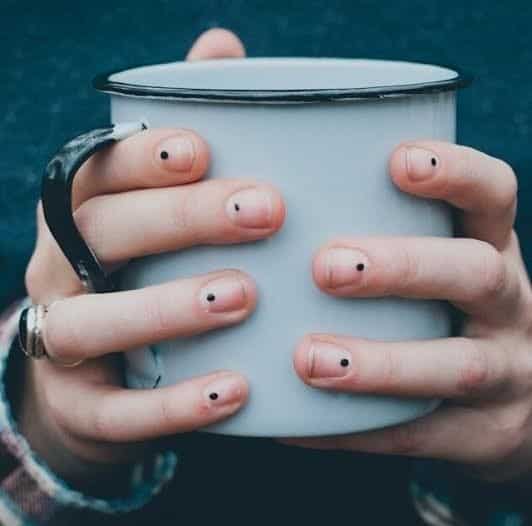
223,295
345,266
223,391
420,164
325,360
250,208
176,153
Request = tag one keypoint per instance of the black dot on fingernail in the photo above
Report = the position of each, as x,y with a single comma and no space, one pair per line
213,396
360,267
211,297
344,362
164,155
237,207
433,161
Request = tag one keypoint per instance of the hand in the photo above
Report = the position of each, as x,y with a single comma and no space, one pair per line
485,374
81,420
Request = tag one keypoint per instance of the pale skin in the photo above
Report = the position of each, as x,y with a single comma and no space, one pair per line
82,419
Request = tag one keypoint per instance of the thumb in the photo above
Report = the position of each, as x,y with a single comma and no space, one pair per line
216,43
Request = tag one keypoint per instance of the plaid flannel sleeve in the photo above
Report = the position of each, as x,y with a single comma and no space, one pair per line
443,496
31,494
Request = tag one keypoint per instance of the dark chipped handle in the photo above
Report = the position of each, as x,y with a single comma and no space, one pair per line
56,194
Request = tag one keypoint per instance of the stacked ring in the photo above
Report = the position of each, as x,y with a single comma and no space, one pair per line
30,327
30,331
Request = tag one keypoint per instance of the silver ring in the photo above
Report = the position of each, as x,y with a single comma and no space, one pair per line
30,331
30,340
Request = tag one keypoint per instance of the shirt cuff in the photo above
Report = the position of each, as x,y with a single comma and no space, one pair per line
30,493
443,496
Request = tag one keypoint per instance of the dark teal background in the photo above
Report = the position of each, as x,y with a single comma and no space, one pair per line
51,50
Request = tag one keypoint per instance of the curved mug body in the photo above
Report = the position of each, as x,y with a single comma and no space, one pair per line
329,159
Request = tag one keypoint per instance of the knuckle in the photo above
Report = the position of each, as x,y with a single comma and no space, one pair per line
473,375
510,433
102,424
54,404
160,318
510,442
61,413
409,272
469,166
181,209
166,413
507,193
468,158
390,370
493,274
61,338
462,181
407,439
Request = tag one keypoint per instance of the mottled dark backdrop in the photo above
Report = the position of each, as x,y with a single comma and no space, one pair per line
51,50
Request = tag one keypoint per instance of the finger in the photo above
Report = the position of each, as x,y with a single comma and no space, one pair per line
459,434
470,273
91,325
216,43
483,187
152,158
210,212
187,152
214,212
105,413
442,368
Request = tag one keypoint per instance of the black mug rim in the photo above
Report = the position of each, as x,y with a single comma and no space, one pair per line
103,83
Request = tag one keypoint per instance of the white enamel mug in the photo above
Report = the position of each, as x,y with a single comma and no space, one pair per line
321,131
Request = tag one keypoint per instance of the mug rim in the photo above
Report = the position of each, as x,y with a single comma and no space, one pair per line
103,83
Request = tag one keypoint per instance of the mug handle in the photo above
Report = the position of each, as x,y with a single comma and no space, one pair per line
56,196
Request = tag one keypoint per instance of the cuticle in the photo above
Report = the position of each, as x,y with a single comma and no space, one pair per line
407,160
310,359
328,269
244,289
194,152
